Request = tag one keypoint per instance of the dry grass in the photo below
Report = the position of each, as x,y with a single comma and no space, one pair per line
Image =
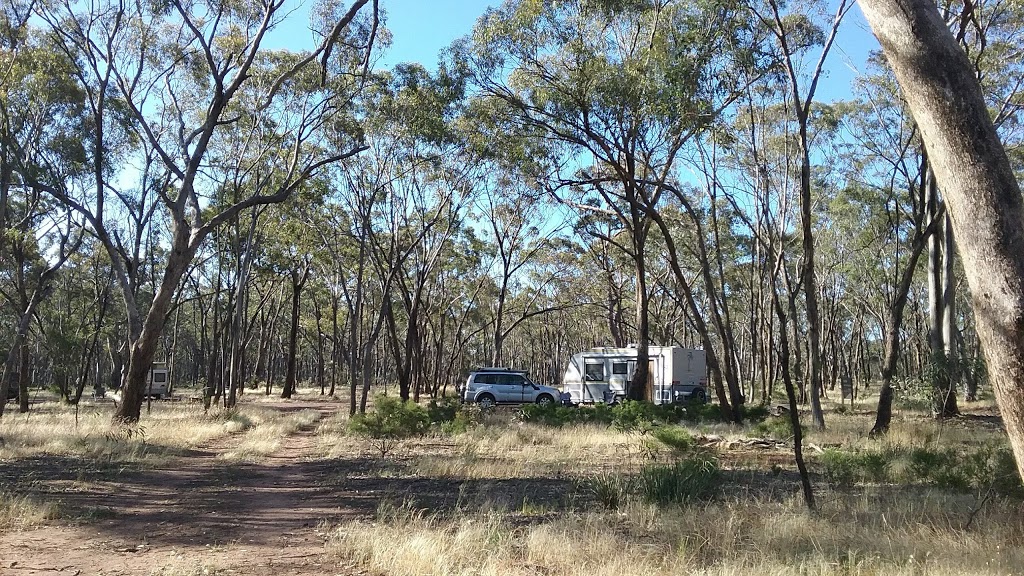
332,439
51,429
19,512
529,451
265,432
898,530
876,534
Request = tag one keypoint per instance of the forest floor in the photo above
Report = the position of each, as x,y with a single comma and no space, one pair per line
314,499
195,514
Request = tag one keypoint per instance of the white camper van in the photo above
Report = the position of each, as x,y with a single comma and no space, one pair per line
603,374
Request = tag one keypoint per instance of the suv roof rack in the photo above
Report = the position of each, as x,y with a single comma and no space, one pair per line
496,369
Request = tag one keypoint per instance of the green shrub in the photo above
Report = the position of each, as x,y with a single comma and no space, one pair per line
390,422
994,467
630,415
634,416
452,417
756,413
687,480
557,416
552,414
840,467
444,409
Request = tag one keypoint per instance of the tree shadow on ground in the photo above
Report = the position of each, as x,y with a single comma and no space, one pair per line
251,503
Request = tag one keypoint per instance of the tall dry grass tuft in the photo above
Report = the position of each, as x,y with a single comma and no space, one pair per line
52,429
19,512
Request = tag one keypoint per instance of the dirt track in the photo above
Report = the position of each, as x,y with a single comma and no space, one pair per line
198,515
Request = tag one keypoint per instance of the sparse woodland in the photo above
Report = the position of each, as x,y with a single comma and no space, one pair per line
320,248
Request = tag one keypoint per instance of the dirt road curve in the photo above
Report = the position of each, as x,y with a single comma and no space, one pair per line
198,516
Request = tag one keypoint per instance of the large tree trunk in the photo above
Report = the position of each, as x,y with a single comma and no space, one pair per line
794,414
144,345
638,387
981,192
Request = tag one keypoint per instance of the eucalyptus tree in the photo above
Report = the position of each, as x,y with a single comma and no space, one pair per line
975,174
76,320
423,212
41,123
172,71
514,217
883,212
39,244
414,202
18,61
290,248
795,32
615,90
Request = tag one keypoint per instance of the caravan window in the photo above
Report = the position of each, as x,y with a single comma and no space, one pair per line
160,377
595,372
619,368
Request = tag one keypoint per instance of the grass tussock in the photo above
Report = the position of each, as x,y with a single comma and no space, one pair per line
19,512
867,535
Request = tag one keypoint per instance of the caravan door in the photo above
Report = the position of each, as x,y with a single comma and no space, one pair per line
622,375
595,378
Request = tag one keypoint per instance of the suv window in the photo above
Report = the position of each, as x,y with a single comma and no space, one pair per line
485,378
515,379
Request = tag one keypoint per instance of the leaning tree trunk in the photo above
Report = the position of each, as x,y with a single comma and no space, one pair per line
981,191
143,346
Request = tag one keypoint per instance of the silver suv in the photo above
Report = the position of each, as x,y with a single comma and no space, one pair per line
490,386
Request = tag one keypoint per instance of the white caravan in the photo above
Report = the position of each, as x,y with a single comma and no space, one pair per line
156,381
603,374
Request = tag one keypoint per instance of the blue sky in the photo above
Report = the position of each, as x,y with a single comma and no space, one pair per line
421,29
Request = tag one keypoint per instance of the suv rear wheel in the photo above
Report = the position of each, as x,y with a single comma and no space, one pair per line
486,401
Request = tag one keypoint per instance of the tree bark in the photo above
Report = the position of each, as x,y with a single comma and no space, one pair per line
981,191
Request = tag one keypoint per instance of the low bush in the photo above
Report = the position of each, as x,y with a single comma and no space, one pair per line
630,415
634,416
452,417
675,437
390,422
